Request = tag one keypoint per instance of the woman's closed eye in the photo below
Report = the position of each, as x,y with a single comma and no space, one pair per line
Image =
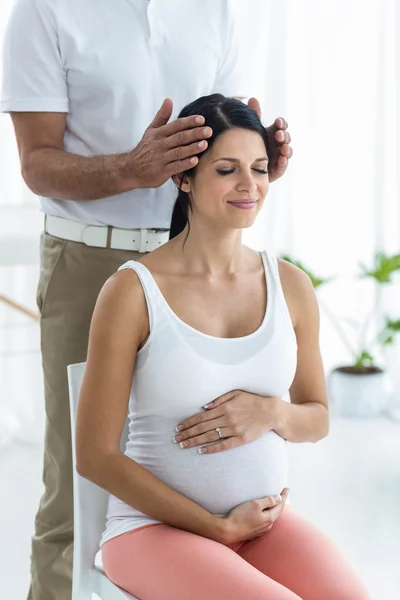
230,171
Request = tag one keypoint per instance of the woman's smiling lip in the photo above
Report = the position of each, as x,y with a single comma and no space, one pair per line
249,203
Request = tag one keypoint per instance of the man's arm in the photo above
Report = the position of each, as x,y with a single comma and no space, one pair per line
48,170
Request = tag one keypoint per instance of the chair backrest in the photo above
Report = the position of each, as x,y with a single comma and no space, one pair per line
90,502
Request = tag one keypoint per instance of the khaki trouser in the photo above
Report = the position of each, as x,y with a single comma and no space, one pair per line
71,277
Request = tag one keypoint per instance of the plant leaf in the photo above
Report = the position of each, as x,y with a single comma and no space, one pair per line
364,360
383,268
315,280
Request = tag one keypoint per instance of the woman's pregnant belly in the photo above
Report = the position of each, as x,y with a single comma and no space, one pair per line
219,481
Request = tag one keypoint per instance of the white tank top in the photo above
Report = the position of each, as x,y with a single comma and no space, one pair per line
177,371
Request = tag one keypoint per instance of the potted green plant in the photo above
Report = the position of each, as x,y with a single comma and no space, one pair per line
362,387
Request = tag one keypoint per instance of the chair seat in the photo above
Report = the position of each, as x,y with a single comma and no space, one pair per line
106,589
98,562
102,585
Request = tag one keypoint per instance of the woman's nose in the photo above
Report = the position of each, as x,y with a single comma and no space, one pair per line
247,184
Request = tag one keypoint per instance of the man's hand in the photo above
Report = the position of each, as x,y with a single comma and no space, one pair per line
241,416
279,139
166,149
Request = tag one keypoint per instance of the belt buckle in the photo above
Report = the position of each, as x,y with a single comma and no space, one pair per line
90,236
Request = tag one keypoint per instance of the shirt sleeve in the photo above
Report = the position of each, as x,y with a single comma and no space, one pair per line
230,78
34,78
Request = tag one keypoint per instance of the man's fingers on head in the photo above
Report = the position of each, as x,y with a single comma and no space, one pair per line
255,105
163,114
183,152
183,123
187,136
283,137
286,151
281,123
285,154
180,166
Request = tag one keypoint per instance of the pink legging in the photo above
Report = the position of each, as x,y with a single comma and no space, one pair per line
293,561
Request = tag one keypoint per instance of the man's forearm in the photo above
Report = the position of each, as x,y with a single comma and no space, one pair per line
65,176
308,422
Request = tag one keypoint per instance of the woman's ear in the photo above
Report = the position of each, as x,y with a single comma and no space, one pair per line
182,182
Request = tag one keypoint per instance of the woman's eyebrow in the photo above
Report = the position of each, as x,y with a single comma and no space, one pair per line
236,160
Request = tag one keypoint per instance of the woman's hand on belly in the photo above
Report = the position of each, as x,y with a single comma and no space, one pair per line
241,416
252,519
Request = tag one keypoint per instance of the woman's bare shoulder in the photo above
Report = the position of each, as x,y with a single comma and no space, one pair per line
122,302
122,286
297,288
293,278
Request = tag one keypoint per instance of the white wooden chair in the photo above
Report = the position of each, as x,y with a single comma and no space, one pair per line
90,505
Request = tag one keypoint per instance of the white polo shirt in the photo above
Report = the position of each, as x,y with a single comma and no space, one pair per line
109,64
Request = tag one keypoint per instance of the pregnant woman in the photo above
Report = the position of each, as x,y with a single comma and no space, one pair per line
204,319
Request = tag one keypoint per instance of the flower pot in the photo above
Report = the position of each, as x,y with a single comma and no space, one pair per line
358,393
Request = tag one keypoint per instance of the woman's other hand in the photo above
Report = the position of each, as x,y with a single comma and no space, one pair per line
252,519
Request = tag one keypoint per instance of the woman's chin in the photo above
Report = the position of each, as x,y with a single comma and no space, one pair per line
242,218
244,222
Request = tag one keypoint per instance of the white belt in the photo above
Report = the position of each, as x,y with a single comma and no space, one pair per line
140,240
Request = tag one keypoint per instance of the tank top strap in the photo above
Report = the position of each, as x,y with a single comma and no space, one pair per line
271,263
271,266
149,288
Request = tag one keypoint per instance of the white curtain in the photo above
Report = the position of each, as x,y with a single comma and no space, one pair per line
332,69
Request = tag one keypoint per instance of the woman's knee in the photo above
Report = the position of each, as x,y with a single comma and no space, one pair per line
347,593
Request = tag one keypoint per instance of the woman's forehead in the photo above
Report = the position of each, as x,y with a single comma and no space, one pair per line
239,144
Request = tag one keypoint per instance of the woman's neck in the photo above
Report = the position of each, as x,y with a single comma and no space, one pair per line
211,252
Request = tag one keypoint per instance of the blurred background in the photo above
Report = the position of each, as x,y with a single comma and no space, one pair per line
332,69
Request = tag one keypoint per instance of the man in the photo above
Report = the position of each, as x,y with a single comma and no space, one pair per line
88,86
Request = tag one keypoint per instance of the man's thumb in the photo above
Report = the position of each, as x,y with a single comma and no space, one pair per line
255,105
163,115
